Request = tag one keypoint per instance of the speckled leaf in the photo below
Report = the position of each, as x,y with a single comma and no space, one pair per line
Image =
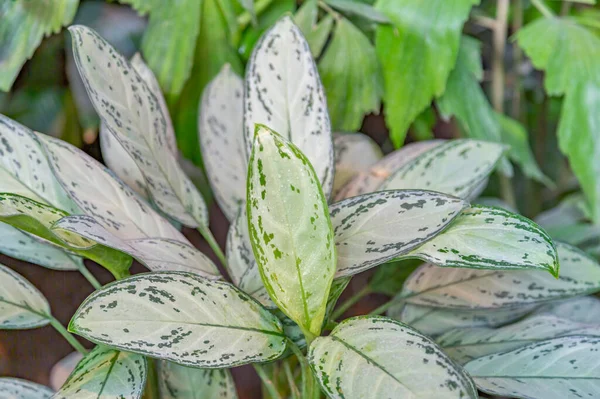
21,304
492,289
290,229
554,369
579,310
220,131
464,345
284,92
354,153
181,382
491,238
106,373
456,167
377,357
38,220
373,228
132,114
16,388
180,317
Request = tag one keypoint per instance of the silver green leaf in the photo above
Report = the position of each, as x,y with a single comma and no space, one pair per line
106,373
16,388
181,382
457,167
459,288
464,345
558,368
284,92
183,318
377,357
579,310
371,229
491,238
132,114
290,230
220,131
354,153
21,304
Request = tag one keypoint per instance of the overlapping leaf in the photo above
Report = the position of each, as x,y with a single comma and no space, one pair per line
359,9
21,304
284,92
360,359
579,310
316,33
180,382
11,388
354,153
182,318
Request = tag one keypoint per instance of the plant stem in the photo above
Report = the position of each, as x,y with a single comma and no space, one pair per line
330,10
543,8
66,335
290,379
517,23
382,309
565,8
89,277
308,382
267,382
366,290
212,242
151,390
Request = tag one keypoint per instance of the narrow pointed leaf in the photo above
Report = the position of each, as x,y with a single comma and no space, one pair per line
359,9
181,382
220,130
16,388
290,230
21,304
554,369
456,167
133,115
284,92
491,238
359,359
354,153
492,289
373,228
106,373
182,318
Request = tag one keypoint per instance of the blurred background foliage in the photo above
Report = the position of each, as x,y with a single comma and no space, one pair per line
522,72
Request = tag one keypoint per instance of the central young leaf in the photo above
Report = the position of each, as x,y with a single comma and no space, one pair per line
290,229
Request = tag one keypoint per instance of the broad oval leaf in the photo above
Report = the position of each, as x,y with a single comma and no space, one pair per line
290,229
21,304
181,382
457,167
106,373
492,289
133,115
554,369
354,153
491,238
360,359
16,388
284,92
373,228
464,345
220,131
180,317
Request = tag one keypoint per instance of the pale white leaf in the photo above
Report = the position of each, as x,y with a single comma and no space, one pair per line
284,92
560,368
106,373
354,153
220,131
181,382
60,372
16,388
183,318
377,357
371,229
21,304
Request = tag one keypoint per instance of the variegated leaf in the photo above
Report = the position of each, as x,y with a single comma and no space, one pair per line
290,229
21,304
183,318
284,92
373,228
354,153
490,238
579,310
436,321
39,220
132,114
456,167
492,289
221,136
106,373
464,345
558,368
181,382
377,357
16,388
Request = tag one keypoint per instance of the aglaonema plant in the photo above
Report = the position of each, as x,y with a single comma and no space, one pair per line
482,297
